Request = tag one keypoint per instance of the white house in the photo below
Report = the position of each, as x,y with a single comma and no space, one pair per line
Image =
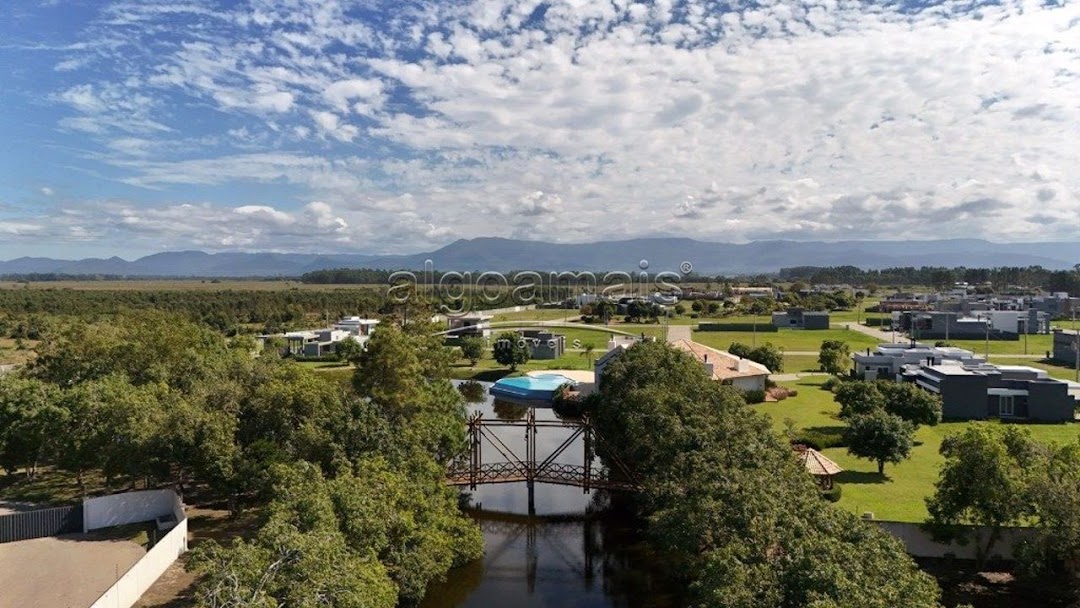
357,327
743,374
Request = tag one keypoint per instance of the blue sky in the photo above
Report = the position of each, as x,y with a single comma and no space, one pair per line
139,126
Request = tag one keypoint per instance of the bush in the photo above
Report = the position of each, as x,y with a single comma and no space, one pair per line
819,440
833,494
754,396
792,393
832,384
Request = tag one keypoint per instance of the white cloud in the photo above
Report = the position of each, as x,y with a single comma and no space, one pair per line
47,191
802,120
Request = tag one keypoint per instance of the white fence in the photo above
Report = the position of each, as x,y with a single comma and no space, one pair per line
135,507
919,543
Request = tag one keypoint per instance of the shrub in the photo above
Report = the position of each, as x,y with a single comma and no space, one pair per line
754,396
819,440
792,393
833,494
832,384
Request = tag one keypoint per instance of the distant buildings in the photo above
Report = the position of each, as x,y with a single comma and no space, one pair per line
992,324
471,325
799,318
970,388
323,342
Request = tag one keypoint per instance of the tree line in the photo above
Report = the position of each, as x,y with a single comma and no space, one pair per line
225,310
348,478
940,277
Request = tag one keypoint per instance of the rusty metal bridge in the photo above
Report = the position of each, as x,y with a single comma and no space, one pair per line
472,471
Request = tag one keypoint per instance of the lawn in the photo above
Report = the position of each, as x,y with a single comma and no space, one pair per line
489,370
797,340
1036,345
900,494
597,335
800,363
538,315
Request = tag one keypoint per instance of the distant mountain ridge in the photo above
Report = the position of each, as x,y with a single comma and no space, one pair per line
498,254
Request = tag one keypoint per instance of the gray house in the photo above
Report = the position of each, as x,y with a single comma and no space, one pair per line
995,325
543,344
996,391
797,317
1065,343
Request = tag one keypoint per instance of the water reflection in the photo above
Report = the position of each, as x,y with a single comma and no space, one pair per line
577,552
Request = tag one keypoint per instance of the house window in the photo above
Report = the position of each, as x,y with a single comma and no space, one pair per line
1005,405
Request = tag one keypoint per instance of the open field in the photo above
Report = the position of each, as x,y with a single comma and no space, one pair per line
901,493
801,340
182,285
489,370
1036,345
543,314
800,363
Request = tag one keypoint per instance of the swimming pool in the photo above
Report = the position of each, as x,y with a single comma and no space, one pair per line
540,387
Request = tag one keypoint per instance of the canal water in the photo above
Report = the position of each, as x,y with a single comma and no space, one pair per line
577,551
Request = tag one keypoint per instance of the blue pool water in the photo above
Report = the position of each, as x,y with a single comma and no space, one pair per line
541,387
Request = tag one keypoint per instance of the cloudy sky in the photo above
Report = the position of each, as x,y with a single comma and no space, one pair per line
399,126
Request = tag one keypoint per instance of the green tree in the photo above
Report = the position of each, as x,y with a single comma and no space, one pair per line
349,350
834,357
588,350
982,484
747,532
879,436
30,422
856,398
1054,489
472,348
769,356
910,402
509,349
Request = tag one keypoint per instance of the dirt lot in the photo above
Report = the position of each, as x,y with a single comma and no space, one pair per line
72,570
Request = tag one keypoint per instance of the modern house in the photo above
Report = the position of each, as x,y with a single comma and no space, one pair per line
1065,346
887,361
797,317
992,324
725,367
997,391
358,328
472,324
543,344
314,343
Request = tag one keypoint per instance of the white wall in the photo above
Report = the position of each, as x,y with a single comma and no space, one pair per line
126,508
138,507
919,543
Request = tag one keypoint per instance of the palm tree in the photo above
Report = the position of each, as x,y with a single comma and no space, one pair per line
588,352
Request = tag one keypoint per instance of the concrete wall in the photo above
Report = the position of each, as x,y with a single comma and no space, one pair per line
963,397
126,508
134,583
919,543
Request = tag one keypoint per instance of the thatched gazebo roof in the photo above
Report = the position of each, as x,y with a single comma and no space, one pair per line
817,464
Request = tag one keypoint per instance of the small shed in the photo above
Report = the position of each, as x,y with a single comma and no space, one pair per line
819,466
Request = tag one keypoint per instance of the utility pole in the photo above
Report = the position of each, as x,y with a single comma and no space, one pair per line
1076,346
988,323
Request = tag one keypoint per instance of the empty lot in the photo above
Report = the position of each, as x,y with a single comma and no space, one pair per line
63,572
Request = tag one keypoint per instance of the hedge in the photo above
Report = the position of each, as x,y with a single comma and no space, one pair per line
762,327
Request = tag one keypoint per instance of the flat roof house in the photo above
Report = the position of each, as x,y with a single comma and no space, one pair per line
887,361
472,324
357,327
743,374
543,344
1065,346
797,317
997,391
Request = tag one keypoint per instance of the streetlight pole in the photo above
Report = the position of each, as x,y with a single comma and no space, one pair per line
988,323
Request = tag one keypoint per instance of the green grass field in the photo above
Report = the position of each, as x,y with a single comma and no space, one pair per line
489,370
597,335
788,339
899,495
800,363
1036,345
538,315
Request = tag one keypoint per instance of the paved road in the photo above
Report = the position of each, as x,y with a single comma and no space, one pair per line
679,332
885,337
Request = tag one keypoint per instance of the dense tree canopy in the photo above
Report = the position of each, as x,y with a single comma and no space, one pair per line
729,500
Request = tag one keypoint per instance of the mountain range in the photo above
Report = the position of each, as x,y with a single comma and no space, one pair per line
498,254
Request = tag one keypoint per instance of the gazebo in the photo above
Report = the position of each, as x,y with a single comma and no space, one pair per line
819,466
